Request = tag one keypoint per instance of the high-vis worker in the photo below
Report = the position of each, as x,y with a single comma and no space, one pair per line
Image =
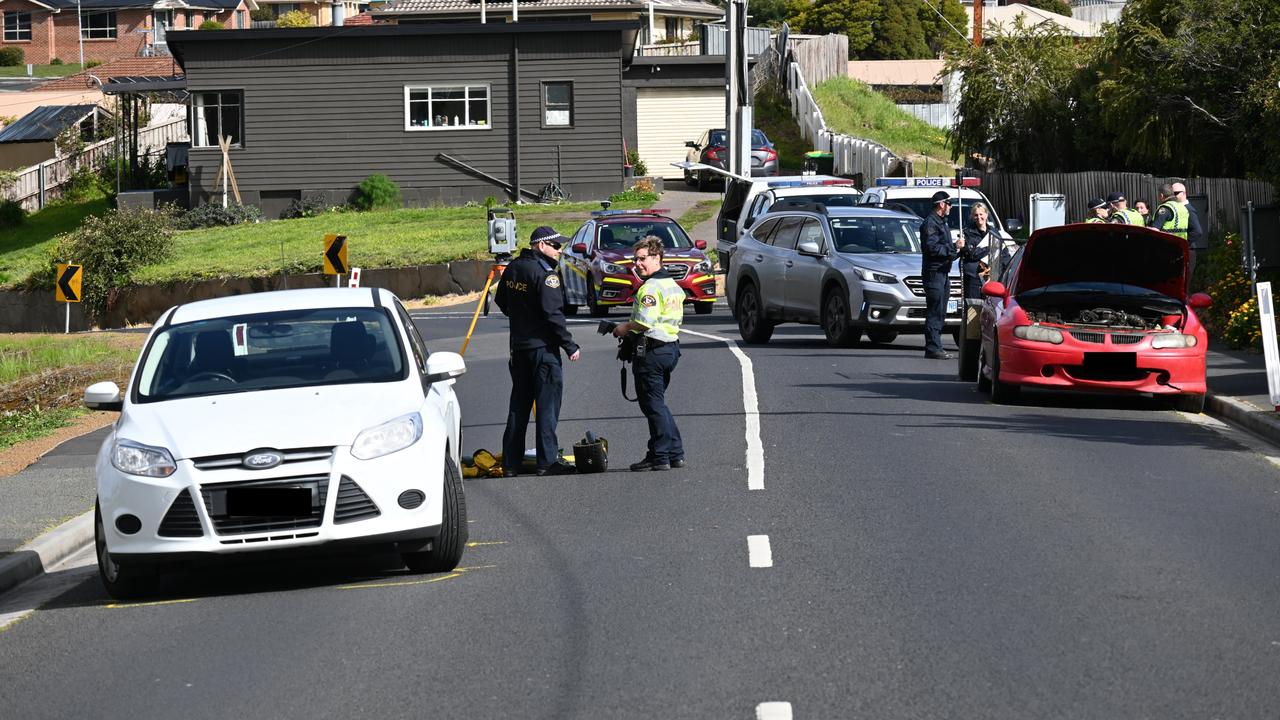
656,316
1098,211
1171,216
1120,212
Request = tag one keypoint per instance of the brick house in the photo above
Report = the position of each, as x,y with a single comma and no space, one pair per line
109,29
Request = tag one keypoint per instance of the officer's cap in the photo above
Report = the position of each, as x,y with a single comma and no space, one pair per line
546,233
941,196
1115,197
1096,203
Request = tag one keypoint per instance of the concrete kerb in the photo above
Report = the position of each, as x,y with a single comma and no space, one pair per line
1244,415
33,558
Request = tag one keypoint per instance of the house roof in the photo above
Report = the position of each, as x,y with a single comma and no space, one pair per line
44,123
695,8
363,18
132,66
1005,16
896,72
128,4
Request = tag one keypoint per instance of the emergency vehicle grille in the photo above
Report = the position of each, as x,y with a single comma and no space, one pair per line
215,504
1089,337
353,503
235,460
915,284
181,520
1118,339
677,271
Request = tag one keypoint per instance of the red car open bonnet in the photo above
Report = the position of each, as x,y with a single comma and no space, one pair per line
1105,253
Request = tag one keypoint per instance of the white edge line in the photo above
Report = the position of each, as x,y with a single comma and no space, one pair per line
773,711
759,554
751,408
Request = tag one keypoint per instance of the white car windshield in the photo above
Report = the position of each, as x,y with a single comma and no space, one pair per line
924,206
270,351
876,234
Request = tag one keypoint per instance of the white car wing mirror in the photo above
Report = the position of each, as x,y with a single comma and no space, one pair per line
444,366
103,396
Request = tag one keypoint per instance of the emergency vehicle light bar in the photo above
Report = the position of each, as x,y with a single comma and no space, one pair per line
937,182
809,183
641,211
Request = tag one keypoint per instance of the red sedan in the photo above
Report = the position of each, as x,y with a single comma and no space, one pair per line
1097,307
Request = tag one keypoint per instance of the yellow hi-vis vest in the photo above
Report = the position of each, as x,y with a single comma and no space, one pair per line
1096,219
659,306
1127,217
1181,220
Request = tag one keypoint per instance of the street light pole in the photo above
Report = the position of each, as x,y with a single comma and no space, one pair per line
80,33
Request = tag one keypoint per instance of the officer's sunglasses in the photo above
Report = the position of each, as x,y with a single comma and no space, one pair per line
552,243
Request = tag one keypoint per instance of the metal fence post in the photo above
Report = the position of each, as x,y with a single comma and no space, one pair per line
40,178
1248,247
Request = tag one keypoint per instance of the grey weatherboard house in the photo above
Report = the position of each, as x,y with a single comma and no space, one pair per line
314,111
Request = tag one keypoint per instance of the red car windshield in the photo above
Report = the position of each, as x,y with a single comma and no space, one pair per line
624,235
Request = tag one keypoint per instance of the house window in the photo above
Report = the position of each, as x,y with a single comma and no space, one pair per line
673,28
557,104
98,25
17,26
186,19
283,8
459,107
214,114
240,19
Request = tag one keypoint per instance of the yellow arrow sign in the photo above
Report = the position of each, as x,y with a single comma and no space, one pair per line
335,255
67,289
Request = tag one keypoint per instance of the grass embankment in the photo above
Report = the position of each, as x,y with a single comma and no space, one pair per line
26,248
43,377
40,71
773,116
853,108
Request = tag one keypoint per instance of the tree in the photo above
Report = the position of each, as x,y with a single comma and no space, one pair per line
898,34
944,23
295,19
210,25
1014,105
851,18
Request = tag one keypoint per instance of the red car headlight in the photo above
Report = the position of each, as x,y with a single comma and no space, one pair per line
1172,340
1036,333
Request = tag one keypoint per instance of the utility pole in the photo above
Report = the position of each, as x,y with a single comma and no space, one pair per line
738,116
80,33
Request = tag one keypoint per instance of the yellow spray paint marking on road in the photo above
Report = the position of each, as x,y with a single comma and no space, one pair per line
489,542
405,583
116,606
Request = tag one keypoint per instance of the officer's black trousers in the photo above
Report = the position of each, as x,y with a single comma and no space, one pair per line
936,292
653,374
535,375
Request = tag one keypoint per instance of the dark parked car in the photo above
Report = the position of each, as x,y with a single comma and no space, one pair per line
712,149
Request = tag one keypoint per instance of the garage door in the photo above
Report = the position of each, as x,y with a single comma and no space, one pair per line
667,117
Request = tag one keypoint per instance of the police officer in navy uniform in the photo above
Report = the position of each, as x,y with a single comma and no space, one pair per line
940,251
530,294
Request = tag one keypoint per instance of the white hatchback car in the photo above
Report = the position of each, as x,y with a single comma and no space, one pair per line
289,420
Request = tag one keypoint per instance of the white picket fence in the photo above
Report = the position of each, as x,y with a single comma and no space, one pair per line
853,156
37,185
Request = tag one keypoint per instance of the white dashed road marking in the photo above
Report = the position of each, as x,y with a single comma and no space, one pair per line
759,554
751,408
773,711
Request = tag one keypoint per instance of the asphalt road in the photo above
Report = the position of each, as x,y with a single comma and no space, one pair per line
916,553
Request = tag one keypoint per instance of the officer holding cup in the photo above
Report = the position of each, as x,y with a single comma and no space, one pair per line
655,321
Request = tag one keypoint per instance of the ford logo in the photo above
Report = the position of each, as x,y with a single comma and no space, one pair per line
262,459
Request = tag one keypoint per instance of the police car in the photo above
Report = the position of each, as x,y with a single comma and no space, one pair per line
746,200
916,193
597,270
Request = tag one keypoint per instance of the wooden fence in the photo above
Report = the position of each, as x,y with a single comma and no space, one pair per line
37,185
822,58
1011,193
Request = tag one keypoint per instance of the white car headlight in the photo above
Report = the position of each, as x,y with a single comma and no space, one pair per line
874,276
704,266
1038,334
611,269
135,458
388,437
1173,340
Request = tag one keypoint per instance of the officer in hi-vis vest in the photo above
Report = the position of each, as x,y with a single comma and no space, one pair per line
656,315
1172,216
1098,211
1120,212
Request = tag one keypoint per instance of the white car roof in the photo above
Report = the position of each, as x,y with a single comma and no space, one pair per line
925,192
816,190
279,300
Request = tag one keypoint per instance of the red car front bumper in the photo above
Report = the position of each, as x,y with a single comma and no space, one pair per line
1160,372
621,289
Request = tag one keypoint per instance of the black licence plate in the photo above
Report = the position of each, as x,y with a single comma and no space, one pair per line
1110,362
268,502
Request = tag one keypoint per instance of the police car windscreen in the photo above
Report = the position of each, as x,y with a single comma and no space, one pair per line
624,235
924,206
875,235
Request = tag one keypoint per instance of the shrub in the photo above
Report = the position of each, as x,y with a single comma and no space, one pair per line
638,166
642,193
1244,326
214,215
305,208
56,61
210,25
261,14
112,246
91,64
11,56
83,185
377,192
11,214
295,19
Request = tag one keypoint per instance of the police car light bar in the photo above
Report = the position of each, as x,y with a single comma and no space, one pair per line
809,183
641,211
938,182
